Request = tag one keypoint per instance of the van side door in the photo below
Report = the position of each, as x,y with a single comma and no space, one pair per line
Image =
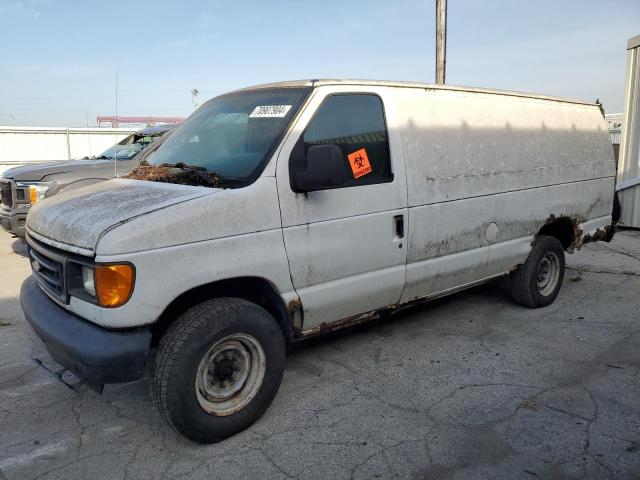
346,245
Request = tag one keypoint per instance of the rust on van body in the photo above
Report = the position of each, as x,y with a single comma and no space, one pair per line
345,323
294,304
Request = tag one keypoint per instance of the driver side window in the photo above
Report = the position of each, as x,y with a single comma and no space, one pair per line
356,124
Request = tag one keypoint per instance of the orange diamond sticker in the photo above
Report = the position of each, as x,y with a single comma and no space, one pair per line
359,162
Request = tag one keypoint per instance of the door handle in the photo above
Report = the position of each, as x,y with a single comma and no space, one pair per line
399,224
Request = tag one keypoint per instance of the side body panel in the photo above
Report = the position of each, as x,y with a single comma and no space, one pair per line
344,255
485,172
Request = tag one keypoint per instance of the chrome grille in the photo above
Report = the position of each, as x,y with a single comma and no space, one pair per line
48,268
5,193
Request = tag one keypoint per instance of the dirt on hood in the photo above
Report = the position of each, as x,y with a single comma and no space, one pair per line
171,174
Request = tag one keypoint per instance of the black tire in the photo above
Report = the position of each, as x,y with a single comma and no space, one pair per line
182,352
525,288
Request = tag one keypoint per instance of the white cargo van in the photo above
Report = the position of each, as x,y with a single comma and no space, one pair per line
285,210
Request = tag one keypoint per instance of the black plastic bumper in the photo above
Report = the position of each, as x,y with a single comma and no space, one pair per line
14,224
91,352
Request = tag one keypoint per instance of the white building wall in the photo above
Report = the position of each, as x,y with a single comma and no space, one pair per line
21,145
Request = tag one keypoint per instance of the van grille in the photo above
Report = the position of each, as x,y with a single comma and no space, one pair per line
5,192
48,269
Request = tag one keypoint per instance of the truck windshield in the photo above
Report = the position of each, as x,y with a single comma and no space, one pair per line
232,135
127,148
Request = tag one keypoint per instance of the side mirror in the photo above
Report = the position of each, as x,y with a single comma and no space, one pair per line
324,169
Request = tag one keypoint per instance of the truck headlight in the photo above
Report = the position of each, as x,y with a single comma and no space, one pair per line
111,285
36,191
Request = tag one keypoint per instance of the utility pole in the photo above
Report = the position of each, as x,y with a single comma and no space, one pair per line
441,40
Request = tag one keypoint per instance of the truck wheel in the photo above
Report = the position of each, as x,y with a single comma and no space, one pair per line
537,281
218,368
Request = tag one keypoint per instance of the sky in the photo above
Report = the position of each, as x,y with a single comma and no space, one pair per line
59,58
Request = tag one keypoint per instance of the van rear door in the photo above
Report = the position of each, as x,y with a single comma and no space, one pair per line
346,245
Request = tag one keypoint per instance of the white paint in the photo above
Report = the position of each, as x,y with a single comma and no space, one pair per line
492,232
83,215
476,175
231,233
343,253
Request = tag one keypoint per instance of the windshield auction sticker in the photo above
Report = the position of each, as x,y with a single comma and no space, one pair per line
270,111
359,162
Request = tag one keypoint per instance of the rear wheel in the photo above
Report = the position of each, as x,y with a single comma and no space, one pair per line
218,368
537,281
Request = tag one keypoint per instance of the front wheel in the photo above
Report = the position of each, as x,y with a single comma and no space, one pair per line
537,281
218,368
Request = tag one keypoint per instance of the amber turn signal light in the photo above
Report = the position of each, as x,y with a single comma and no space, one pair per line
114,284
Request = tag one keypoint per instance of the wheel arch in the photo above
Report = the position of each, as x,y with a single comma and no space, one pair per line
562,228
253,289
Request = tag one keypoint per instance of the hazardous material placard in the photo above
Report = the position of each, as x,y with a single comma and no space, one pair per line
359,162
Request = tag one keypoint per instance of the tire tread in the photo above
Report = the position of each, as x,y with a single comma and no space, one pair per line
172,343
521,290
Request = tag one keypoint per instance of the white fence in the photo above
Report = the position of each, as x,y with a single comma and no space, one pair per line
628,183
21,145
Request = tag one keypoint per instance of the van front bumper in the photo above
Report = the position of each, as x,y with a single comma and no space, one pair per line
93,353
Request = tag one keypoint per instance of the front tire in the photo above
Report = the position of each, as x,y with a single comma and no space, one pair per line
538,280
218,368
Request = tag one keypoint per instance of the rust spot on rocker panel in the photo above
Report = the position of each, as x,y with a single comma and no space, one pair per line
296,313
349,321
294,305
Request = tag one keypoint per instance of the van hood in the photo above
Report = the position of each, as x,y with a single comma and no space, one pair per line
76,220
38,171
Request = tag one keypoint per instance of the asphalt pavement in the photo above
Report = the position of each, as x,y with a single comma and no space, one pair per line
469,386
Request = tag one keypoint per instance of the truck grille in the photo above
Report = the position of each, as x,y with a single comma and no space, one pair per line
5,193
48,268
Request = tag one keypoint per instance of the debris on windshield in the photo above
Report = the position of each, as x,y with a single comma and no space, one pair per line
171,174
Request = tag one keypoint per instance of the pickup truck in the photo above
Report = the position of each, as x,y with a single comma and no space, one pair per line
282,211
21,187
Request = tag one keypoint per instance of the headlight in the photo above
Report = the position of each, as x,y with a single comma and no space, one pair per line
38,190
110,285
88,281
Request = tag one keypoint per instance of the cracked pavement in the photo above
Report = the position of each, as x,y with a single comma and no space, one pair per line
468,386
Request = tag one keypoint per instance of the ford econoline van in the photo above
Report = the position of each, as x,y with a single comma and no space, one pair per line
278,212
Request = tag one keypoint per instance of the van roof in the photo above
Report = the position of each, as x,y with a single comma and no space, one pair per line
427,86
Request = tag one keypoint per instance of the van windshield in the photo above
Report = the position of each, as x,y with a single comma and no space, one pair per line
231,136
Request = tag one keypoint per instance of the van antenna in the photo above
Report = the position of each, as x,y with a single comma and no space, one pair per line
86,118
115,157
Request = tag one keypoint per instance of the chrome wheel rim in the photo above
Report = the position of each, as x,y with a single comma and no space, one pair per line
230,374
548,273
